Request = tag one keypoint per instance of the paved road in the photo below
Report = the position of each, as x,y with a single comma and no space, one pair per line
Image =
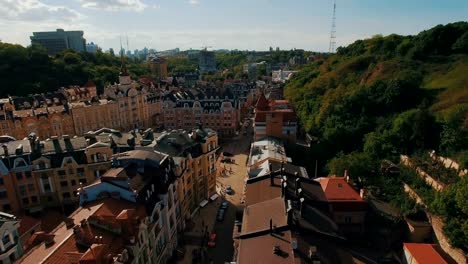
234,176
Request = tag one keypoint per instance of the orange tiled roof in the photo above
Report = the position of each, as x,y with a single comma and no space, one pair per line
424,253
337,189
26,223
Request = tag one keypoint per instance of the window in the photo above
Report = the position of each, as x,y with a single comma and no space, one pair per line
83,181
31,187
34,199
3,194
62,173
80,171
6,207
47,187
66,195
6,238
19,175
27,174
73,183
71,171
26,200
63,183
1,181
347,219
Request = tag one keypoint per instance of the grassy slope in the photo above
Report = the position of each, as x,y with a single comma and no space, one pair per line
451,79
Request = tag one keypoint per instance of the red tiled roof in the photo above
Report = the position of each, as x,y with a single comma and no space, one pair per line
424,253
337,189
261,191
262,103
257,216
259,249
27,223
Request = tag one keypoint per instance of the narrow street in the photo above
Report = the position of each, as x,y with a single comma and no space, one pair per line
229,174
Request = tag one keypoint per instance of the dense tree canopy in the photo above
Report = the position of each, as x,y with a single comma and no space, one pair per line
385,96
30,70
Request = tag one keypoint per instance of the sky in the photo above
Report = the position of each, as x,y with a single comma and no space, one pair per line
224,24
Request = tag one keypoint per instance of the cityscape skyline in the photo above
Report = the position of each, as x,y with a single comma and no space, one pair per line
242,25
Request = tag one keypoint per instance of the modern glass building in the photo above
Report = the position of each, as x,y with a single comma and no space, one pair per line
58,41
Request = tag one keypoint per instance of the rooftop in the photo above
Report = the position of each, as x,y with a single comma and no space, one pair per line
72,244
257,216
338,189
425,253
267,148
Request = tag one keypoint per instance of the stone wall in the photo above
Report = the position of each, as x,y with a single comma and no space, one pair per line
435,184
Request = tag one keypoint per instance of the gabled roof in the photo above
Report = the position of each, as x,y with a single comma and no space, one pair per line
27,223
424,253
337,189
257,216
262,103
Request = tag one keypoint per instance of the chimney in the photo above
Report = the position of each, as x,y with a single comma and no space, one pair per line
5,150
296,184
362,193
271,226
301,200
346,175
272,182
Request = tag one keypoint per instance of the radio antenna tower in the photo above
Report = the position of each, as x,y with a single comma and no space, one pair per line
331,48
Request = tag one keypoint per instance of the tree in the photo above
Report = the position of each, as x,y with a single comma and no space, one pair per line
358,164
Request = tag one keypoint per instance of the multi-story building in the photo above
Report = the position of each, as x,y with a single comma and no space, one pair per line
76,93
348,206
158,67
206,61
187,108
11,248
60,40
46,115
275,118
131,99
92,47
287,218
194,153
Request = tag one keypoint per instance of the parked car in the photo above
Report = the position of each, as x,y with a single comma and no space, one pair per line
229,189
224,205
220,215
212,240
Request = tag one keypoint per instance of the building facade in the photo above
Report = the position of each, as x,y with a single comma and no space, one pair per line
60,40
11,248
275,118
206,61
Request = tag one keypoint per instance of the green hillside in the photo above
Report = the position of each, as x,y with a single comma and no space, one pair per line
385,96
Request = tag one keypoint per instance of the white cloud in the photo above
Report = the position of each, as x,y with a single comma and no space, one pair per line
36,11
194,2
114,5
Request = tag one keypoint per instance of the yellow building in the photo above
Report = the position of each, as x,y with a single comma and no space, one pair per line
194,154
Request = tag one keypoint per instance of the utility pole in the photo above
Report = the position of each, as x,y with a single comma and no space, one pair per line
331,48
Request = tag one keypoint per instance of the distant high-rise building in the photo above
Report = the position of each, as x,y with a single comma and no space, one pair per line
206,61
91,47
58,41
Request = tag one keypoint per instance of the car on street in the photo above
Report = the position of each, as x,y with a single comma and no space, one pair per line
212,240
220,215
224,205
229,189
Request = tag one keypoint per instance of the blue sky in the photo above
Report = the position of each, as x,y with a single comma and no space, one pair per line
239,24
